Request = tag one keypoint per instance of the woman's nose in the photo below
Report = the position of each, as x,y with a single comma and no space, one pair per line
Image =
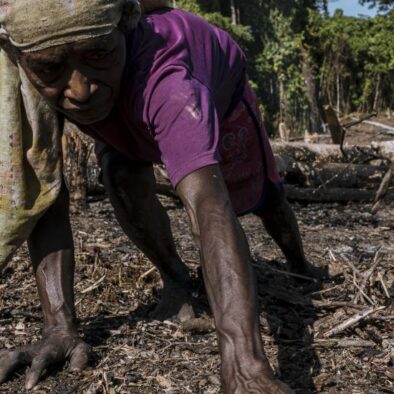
79,87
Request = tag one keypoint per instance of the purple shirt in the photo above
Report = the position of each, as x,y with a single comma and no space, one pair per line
182,77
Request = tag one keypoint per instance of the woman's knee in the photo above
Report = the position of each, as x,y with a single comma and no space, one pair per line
124,178
275,197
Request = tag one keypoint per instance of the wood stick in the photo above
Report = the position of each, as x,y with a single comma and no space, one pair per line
93,286
381,280
352,321
368,273
343,343
145,274
293,275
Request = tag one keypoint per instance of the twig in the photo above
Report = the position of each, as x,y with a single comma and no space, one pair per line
383,188
334,304
362,292
293,275
16,312
384,318
381,280
343,343
147,273
93,286
331,254
352,321
356,272
367,274
376,261
326,290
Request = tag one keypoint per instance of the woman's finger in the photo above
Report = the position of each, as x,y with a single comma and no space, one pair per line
38,366
79,357
10,362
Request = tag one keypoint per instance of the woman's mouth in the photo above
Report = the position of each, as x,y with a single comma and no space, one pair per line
89,113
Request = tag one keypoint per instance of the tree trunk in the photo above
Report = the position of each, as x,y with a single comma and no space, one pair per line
330,175
338,93
283,105
333,124
315,119
233,9
377,92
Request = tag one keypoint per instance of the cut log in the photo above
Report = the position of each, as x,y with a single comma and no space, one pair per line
307,194
385,149
330,174
313,172
332,153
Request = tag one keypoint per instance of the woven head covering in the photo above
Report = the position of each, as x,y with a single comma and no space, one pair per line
39,24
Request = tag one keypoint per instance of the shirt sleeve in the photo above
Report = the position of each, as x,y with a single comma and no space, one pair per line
182,116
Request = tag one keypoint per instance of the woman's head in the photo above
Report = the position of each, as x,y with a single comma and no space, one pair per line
40,24
73,51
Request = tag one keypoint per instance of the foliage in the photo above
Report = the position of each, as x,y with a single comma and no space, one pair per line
350,60
383,5
358,59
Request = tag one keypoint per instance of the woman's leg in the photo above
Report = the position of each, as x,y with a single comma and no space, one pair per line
281,224
131,187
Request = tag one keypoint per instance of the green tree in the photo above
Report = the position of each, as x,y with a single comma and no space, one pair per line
300,58
384,5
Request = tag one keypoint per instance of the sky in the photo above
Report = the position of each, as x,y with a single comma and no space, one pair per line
350,8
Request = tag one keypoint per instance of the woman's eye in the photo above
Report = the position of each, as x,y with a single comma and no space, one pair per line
49,69
98,55
49,73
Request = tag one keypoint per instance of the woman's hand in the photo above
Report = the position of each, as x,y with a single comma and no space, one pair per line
53,349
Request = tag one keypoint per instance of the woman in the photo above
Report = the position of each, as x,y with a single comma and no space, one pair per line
171,89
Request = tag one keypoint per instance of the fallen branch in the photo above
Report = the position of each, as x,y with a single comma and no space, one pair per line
357,318
387,129
93,286
346,343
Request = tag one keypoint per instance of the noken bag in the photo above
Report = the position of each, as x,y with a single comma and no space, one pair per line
30,153
30,158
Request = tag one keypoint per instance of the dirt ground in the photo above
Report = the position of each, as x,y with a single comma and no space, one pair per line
116,288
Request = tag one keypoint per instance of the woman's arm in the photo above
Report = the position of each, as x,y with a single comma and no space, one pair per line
52,254
229,282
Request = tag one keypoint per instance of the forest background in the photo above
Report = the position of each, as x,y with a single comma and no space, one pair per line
301,58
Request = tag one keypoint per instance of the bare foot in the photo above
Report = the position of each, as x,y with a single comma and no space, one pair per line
261,384
176,302
52,349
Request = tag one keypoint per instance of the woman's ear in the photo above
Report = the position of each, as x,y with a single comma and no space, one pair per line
131,15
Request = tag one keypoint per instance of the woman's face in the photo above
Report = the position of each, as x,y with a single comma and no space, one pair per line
82,79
